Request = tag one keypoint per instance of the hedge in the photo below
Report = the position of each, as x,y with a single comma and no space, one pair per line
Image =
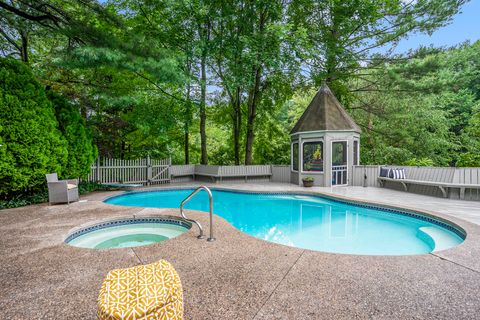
31,144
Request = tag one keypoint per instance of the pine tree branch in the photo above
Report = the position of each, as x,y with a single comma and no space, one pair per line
35,18
10,40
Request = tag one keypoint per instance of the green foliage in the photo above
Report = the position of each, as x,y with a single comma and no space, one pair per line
272,144
138,72
468,160
22,199
41,195
471,142
31,143
162,68
81,151
423,162
420,108
343,34
85,187
308,179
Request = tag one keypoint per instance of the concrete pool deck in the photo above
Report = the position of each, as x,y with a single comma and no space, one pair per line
238,276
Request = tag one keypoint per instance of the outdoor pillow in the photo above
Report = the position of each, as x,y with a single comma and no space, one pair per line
384,171
398,173
151,291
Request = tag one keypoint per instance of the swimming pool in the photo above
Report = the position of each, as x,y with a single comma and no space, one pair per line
313,222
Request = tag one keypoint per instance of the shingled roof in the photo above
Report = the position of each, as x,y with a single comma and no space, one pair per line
325,113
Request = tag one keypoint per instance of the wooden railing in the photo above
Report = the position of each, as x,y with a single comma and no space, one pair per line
252,173
281,173
367,176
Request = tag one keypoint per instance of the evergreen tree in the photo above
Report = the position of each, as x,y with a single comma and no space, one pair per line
81,151
31,143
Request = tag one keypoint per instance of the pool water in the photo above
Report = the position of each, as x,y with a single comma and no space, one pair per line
128,235
310,222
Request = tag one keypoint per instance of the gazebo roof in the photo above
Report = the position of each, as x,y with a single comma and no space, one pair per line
325,113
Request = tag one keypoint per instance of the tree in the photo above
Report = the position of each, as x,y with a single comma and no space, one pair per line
344,34
81,151
228,63
15,32
159,78
471,141
252,61
433,94
187,37
32,146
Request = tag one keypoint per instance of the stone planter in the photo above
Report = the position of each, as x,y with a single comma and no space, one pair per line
307,184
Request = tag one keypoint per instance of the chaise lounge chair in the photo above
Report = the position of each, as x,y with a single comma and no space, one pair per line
61,191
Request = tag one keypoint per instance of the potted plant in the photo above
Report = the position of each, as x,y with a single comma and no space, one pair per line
316,163
307,182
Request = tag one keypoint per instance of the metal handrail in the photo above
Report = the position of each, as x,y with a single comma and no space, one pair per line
210,196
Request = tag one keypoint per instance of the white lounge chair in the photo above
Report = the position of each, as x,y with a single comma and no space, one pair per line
61,191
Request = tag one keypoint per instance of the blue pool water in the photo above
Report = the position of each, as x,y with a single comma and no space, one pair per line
310,222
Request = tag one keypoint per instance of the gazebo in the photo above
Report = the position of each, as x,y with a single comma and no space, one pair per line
325,142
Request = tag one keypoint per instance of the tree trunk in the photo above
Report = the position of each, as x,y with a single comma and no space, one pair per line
254,94
187,127
122,150
187,150
370,138
237,126
203,115
24,47
252,103
204,33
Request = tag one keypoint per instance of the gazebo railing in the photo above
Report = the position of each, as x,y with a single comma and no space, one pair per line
339,175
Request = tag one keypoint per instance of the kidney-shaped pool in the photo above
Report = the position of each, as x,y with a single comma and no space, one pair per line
314,222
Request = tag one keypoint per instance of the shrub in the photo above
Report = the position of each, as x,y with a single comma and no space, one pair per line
31,144
468,160
21,200
86,187
422,162
81,151
41,196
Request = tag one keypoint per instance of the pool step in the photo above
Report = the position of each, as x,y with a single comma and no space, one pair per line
439,239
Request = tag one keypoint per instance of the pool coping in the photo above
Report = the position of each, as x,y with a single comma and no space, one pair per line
120,221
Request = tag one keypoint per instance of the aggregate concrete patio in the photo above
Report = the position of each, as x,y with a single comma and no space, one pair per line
238,276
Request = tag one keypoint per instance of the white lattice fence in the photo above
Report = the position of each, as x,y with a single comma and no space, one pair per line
145,171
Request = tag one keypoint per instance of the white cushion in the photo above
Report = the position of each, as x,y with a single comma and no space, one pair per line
71,186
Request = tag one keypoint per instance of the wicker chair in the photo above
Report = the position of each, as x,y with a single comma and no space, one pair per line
61,191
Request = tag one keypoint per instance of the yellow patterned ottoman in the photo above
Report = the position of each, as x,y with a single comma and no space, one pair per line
151,291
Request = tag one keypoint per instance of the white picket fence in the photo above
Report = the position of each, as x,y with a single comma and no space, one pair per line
146,171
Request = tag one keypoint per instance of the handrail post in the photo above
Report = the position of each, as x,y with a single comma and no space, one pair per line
182,213
211,238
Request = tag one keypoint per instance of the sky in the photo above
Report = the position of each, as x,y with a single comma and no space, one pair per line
465,26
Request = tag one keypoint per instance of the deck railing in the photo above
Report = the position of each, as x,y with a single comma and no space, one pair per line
367,176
